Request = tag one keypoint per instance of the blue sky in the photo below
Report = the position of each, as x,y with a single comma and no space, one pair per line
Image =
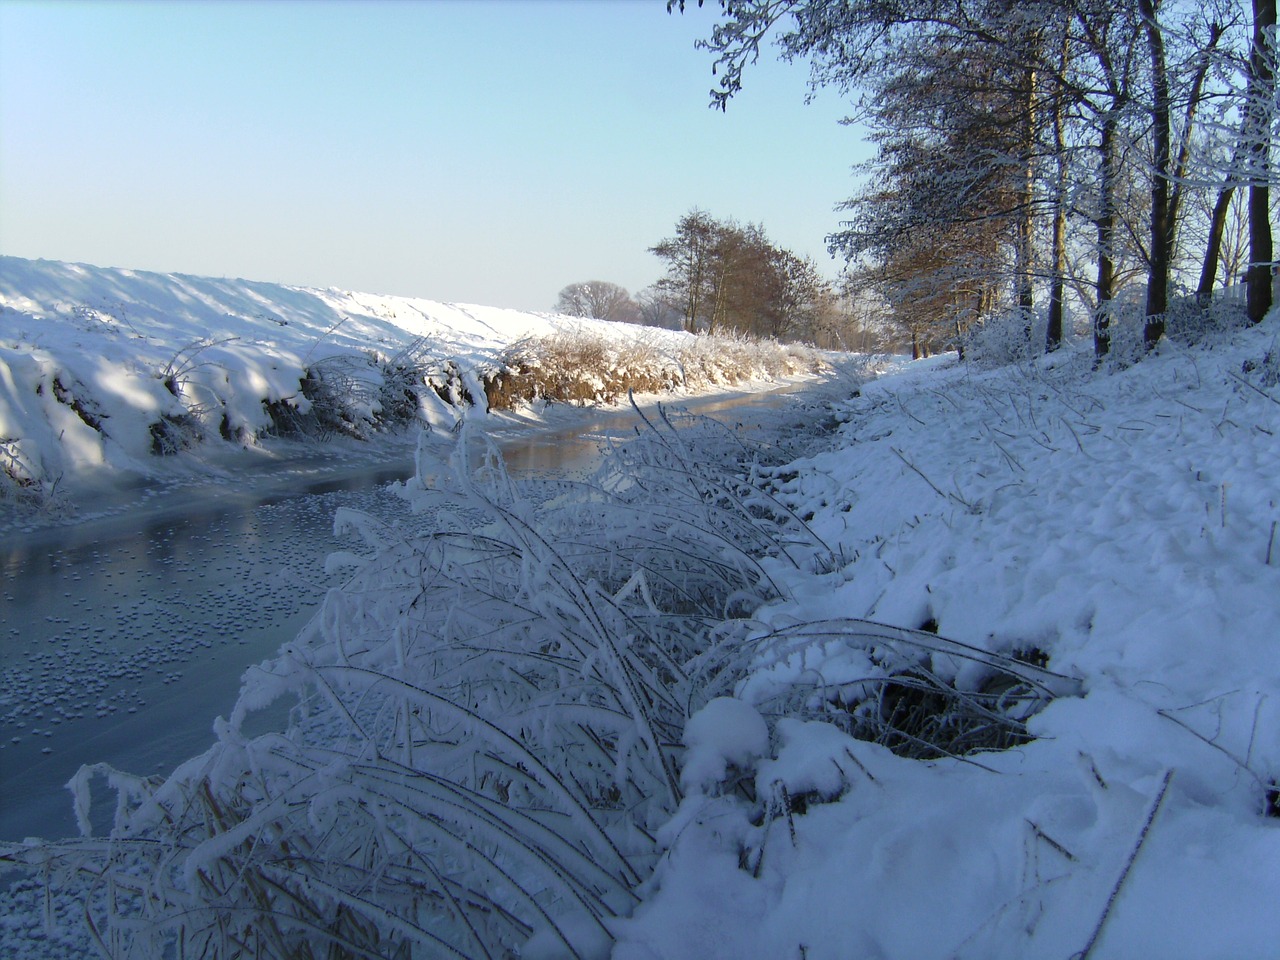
489,151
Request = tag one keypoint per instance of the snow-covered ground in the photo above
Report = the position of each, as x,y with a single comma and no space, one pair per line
1107,537
1124,524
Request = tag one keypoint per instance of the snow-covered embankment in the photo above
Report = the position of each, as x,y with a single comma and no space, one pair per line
104,372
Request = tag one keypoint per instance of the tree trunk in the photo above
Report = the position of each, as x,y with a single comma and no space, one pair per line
1218,219
1025,229
1057,285
1213,251
1194,99
1058,252
1106,224
1161,227
693,294
1260,87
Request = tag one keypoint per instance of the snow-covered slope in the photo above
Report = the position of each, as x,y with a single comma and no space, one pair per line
99,368
1123,523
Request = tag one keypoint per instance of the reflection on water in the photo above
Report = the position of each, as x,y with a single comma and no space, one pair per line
123,650
121,643
564,454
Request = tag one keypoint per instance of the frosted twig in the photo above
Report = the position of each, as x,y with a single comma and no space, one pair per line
1041,835
1079,444
1128,866
1257,709
1257,390
1009,457
322,337
858,763
902,407
945,496
1242,764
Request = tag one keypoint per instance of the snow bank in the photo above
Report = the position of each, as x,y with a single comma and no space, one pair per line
102,369
1121,524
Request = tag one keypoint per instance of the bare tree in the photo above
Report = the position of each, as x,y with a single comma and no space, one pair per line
657,310
856,318
599,299
725,276
688,255
795,293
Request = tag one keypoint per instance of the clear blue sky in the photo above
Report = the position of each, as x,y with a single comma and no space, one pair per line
485,151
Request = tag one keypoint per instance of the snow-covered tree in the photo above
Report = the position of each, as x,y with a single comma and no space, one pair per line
1046,126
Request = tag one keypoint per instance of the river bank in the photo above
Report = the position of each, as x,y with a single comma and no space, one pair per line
795,777
93,505
125,629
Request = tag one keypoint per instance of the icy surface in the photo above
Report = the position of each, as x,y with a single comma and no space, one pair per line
122,645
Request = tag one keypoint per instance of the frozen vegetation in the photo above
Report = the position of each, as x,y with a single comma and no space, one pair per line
963,660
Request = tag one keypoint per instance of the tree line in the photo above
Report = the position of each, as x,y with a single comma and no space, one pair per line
724,277
1033,155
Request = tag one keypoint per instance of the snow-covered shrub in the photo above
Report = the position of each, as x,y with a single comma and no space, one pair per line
399,394
584,367
514,379
341,394
348,396
451,384
919,694
1127,318
576,366
173,433
1189,320
1010,337
22,477
1265,369
180,372
487,725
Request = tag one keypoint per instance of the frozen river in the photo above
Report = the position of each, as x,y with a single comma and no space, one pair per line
123,637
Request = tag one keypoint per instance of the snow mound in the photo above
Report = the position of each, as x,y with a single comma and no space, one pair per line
725,733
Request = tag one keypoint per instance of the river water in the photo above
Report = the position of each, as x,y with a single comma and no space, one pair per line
123,637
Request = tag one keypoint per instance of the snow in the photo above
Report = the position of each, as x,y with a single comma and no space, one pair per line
1121,521
725,733
92,358
1113,527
